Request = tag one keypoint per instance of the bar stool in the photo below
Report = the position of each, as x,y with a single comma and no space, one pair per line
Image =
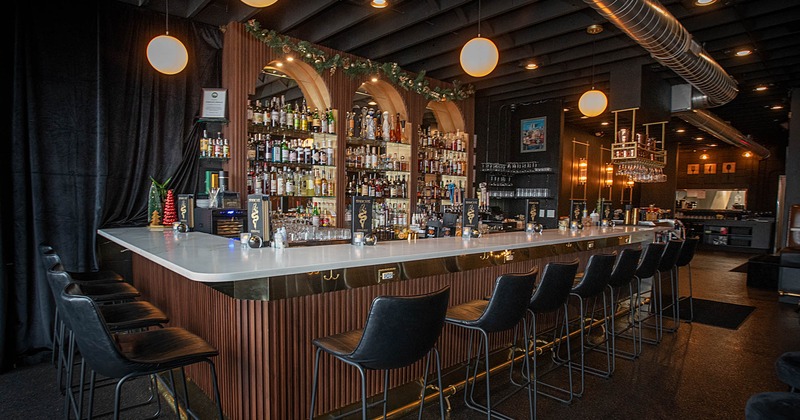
504,311
684,260
773,406
787,366
399,331
131,355
667,265
552,295
592,285
647,270
623,275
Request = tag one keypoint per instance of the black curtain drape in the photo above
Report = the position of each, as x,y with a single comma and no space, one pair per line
91,121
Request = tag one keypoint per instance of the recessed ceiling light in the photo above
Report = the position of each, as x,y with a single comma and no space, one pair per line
566,109
704,156
704,2
379,4
680,130
372,103
374,79
760,88
712,145
290,58
583,117
531,66
604,123
594,29
698,138
743,52
747,154
776,107
278,64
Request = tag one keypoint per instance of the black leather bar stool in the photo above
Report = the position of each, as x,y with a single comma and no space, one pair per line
773,406
399,331
647,270
593,285
623,275
504,311
131,355
787,368
552,295
684,260
121,316
667,265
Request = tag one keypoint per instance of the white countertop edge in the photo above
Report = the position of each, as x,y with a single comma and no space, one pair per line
185,253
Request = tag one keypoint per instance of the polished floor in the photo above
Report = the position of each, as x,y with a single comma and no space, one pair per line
701,372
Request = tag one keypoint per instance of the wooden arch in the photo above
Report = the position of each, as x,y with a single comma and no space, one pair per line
308,80
448,116
387,97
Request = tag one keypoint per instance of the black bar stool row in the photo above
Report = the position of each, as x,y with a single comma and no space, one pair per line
400,331
121,338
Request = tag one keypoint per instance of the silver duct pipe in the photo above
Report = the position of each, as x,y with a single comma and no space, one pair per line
650,24
720,129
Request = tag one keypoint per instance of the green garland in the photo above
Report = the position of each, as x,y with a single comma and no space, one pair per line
322,62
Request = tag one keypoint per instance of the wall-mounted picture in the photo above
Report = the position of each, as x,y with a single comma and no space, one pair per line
533,135
693,169
710,168
729,167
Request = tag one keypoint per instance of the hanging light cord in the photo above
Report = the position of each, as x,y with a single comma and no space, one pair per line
479,18
593,51
167,17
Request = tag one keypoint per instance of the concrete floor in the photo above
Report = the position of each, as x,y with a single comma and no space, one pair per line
701,372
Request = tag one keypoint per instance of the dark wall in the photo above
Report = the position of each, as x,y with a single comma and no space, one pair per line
661,194
758,177
498,126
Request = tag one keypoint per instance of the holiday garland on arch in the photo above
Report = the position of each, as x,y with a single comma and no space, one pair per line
321,61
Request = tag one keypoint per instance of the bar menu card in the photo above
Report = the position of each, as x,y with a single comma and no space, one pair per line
362,219
471,213
258,207
186,210
532,211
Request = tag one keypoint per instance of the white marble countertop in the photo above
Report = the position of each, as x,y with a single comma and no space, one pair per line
209,258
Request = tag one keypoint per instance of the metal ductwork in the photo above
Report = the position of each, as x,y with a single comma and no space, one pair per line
720,129
650,24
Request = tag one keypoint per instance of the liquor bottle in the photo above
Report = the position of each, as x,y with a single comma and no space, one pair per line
317,183
331,183
385,126
315,215
204,144
218,145
273,182
258,113
275,115
289,182
323,155
324,185
304,117
226,149
284,150
300,151
293,151
331,122
265,114
281,184
249,112
282,112
289,116
297,117
330,152
315,122
398,134
324,122
356,123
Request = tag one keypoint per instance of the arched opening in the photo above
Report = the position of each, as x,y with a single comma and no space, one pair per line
308,81
447,115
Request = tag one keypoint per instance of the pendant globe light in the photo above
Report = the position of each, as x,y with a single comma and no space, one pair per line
593,102
166,53
259,3
479,56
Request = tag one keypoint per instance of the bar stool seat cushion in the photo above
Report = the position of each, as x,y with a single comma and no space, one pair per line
788,369
163,349
108,292
102,276
773,406
132,315
343,344
467,313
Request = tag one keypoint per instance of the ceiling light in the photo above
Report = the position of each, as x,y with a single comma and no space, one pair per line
583,117
743,52
379,4
760,88
704,2
747,154
259,3
698,138
592,103
776,107
479,56
374,79
278,64
166,53
531,66
594,29
372,103
566,109
680,130
289,58
712,145
704,156
604,123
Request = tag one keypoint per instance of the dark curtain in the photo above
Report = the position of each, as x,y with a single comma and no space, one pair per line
91,122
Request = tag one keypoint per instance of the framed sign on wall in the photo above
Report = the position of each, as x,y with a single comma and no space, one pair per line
533,135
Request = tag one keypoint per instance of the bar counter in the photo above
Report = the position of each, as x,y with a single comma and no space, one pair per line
262,307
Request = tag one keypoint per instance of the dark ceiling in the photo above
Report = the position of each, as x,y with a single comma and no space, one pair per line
428,35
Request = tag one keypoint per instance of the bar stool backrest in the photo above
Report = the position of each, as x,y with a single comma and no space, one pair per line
554,288
401,329
595,277
687,251
625,269
649,263
509,301
49,257
57,279
670,255
95,341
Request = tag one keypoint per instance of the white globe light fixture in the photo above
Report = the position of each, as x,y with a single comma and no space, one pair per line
166,53
479,57
259,3
592,103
